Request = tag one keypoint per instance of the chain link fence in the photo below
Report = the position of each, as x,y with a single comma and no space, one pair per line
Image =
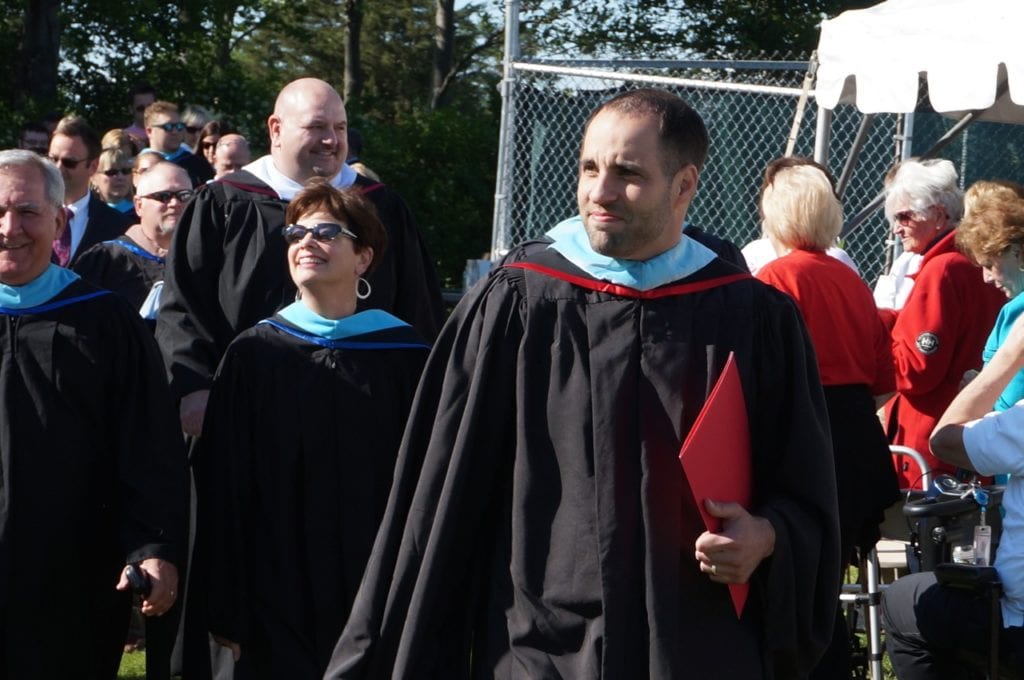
749,108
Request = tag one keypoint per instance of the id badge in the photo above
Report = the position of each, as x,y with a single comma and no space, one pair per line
982,545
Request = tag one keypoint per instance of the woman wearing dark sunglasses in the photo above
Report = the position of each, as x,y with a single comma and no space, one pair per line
940,332
112,181
295,463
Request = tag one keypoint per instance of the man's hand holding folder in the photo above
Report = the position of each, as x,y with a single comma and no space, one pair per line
716,461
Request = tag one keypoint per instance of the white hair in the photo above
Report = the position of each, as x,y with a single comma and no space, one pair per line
921,184
23,158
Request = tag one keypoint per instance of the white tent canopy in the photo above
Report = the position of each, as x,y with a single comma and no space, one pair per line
966,48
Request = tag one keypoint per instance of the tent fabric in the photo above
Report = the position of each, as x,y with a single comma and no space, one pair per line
873,57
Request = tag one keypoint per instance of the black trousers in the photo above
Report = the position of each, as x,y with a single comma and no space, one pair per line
928,625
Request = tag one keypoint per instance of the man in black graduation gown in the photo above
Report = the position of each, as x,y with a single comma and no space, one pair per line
227,269
92,471
540,525
132,265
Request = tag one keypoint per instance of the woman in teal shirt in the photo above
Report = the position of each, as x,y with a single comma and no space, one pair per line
992,234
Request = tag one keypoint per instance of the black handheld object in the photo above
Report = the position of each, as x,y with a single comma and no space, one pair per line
138,580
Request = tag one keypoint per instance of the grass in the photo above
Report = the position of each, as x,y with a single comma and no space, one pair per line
133,666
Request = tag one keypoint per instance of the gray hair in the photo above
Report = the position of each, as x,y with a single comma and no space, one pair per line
921,184
22,158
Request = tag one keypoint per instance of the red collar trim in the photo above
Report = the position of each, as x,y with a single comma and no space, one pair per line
261,189
626,291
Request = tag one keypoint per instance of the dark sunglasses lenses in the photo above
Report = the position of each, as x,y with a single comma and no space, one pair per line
171,127
327,231
192,130
114,172
69,163
904,217
166,196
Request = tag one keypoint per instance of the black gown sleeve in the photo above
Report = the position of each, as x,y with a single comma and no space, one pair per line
795,491
225,483
406,282
460,435
191,328
146,438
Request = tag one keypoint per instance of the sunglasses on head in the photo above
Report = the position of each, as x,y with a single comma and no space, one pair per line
114,172
323,232
171,127
69,163
166,196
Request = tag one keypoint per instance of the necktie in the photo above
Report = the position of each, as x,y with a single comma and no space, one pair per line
62,246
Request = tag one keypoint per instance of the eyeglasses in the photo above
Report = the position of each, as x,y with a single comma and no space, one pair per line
171,127
192,129
69,163
207,145
165,196
904,217
114,172
323,232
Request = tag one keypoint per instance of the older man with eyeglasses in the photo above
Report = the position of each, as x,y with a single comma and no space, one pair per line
75,149
133,263
92,471
166,133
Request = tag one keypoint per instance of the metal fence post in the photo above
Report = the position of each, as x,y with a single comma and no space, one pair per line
500,242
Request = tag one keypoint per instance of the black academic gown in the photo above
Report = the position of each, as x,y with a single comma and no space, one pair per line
123,266
540,525
198,169
721,247
92,475
104,224
227,269
296,461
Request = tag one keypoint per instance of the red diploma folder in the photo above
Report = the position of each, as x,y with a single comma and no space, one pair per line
716,456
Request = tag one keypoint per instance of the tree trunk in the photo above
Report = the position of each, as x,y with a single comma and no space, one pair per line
444,51
353,60
36,70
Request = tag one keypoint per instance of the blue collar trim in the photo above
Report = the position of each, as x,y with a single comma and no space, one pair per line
361,323
681,260
342,344
57,304
124,206
42,289
138,250
168,155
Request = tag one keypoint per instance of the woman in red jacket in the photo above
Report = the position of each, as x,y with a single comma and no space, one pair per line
802,216
940,332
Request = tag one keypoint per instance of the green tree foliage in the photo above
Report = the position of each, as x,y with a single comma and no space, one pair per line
232,56
672,29
443,163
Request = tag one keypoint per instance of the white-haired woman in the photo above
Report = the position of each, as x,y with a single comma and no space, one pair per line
940,333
